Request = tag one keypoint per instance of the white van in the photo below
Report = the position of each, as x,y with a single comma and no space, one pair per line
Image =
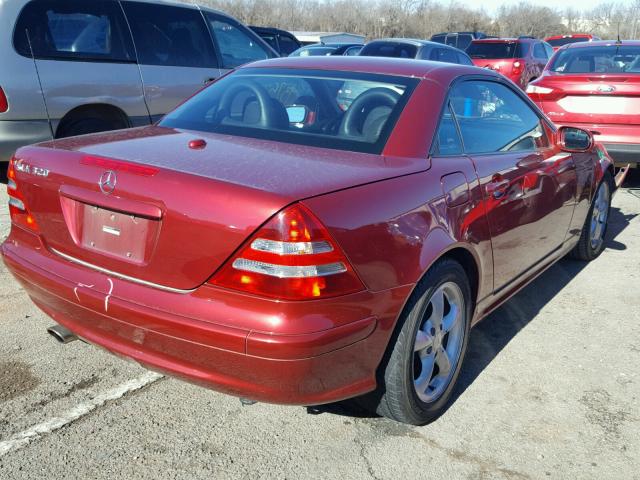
70,67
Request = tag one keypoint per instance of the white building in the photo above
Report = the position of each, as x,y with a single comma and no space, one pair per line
307,38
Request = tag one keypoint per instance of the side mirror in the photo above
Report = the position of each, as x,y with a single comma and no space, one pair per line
297,114
575,140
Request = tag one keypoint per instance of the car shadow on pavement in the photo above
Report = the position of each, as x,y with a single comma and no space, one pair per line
492,335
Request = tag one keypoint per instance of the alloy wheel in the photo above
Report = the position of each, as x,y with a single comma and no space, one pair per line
438,342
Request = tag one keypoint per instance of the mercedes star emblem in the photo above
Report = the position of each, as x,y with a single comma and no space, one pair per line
107,182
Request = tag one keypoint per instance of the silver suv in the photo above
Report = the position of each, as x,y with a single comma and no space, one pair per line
70,67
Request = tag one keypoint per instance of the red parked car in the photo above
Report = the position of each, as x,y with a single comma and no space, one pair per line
558,41
264,242
521,59
596,86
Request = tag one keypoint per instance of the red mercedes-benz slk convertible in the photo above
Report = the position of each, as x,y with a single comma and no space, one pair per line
308,230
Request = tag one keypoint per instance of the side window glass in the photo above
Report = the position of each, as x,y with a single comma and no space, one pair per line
448,140
452,40
287,45
93,31
443,55
170,36
493,118
236,45
549,50
271,40
464,41
539,52
352,51
464,60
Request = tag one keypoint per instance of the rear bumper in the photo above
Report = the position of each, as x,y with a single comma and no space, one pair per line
317,352
18,133
623,153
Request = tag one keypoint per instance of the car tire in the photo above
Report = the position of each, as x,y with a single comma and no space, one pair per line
594,230
401,394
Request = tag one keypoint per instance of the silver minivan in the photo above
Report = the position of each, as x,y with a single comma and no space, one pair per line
70,67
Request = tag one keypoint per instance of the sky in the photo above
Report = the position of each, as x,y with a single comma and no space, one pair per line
492,5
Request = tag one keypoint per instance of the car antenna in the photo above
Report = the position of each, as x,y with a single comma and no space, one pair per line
618,41
44,100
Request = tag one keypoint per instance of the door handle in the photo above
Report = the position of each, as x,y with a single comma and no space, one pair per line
498,188
531,161
208,80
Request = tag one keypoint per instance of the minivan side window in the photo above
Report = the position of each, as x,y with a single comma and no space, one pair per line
493,118
236,45
539,51
170,36
73,30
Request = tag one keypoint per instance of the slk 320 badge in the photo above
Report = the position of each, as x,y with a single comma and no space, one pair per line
22,166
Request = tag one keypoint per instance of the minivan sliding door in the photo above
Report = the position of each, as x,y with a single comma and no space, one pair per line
175,53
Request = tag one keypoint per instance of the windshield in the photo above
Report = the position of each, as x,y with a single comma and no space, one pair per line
605,59
558,42
340,110
389,49
491,50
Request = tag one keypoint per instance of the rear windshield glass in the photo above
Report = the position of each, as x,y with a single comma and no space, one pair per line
558,42
340,110
494,50
607,59
389,49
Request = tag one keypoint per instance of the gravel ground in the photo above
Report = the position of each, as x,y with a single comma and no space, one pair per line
550,389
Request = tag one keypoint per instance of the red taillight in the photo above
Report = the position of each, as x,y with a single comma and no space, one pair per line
4,104
540,93
292,257
18,211
517,67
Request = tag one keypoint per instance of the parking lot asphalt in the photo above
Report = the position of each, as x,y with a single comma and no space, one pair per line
550,389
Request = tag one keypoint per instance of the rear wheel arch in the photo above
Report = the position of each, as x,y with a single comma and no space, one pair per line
97,117
600,171
470,265
444,245
457,253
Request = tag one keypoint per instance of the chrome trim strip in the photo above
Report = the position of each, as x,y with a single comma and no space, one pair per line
119,275
14,202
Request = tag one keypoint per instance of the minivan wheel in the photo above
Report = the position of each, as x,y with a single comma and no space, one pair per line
429,348
592,238
83,126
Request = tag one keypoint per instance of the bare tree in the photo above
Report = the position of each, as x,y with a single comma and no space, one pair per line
423,18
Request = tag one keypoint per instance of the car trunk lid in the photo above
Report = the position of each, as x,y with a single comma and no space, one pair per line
502,65
143,204
592,98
